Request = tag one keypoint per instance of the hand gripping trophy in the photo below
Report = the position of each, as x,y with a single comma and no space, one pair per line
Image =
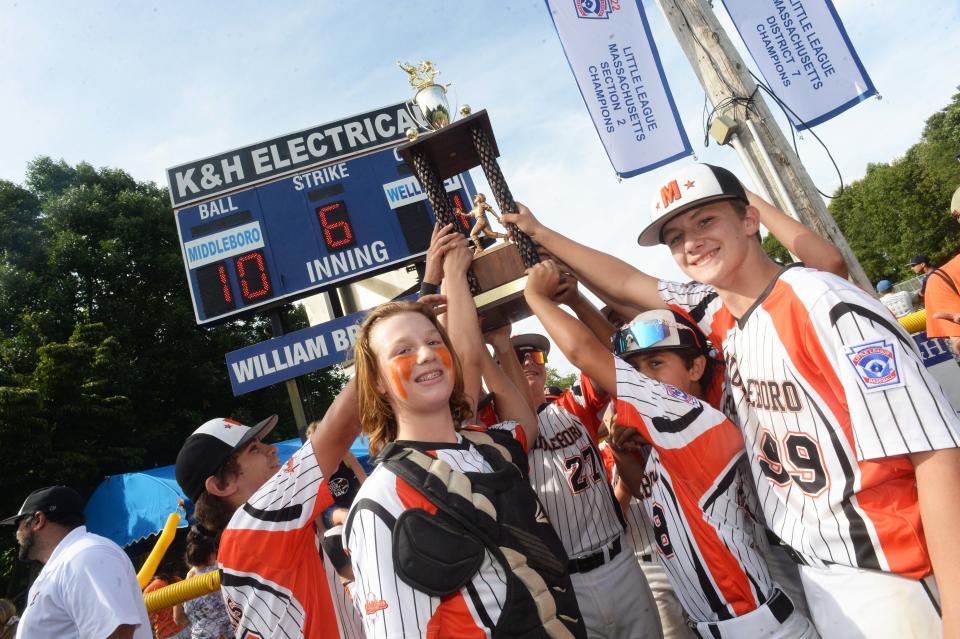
482,225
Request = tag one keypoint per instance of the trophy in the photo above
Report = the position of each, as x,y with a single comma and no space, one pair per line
497,275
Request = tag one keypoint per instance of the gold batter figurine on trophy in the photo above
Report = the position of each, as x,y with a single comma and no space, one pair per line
479,213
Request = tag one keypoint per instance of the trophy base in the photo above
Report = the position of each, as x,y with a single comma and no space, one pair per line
501,275
503,305
451,149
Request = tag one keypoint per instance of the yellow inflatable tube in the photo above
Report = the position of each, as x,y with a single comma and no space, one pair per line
166,538
185,590
914,322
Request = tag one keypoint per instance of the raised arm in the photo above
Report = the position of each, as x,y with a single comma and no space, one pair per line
512,404
613,277
938,486
569,294
580,346
462,323
442,240
338,429
810,248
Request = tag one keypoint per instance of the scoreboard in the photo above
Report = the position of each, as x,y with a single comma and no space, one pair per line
306,233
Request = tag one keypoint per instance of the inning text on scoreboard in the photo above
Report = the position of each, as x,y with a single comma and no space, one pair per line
307,232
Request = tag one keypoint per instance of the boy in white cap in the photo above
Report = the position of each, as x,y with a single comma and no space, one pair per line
852,445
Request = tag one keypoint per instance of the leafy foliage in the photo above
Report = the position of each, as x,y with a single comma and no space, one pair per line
776,250
554,378
899,209
103,369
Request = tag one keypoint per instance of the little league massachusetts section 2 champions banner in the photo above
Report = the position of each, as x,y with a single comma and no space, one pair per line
615,62
805,56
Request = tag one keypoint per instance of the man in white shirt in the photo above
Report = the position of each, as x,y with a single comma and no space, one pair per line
900,303
87,587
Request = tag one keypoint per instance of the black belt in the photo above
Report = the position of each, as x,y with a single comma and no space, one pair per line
794,556
779,604
597,559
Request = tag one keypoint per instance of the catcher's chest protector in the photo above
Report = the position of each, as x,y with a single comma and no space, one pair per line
439,553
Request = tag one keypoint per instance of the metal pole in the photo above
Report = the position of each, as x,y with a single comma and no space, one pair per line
724,75
293,385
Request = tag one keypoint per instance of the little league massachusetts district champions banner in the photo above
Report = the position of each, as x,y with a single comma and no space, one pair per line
615,62
804,55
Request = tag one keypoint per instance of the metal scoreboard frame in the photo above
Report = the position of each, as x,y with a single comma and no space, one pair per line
306,232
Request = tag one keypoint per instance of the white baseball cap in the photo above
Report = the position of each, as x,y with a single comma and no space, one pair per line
693,185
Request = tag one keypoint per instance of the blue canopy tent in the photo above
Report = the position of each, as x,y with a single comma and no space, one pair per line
130,507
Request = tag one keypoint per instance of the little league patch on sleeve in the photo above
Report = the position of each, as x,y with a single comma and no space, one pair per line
676,393
875,364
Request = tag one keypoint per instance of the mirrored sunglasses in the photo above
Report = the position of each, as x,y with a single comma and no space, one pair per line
644,334
538,357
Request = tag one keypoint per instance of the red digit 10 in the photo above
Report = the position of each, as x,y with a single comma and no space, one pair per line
222,276
252,273
458,203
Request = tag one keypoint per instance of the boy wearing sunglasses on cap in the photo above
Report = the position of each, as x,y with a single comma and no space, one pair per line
703,530
852,445
567,474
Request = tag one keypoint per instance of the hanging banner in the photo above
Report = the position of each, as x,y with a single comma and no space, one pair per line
804,55
614,60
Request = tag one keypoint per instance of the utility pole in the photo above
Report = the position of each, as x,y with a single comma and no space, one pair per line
762,146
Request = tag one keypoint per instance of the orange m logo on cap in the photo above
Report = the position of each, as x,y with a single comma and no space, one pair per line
670,193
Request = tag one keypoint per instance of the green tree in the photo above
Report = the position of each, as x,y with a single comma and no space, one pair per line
102,366
899,209
776,250
554,378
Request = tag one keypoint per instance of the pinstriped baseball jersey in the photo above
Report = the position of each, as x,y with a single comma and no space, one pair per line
274,580
831,396
567,473
702,528
390,607
638,523
348,617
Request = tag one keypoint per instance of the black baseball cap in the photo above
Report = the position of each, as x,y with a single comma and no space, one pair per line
919,259
206,450
691,186
53,499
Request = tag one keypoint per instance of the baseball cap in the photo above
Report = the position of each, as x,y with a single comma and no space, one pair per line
53,499
552,393
206,450
884,285
693,185
656,329
531,341
918,259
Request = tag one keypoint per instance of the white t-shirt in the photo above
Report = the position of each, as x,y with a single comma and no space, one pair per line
87,589
899,303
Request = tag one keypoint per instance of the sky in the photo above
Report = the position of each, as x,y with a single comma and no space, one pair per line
146,86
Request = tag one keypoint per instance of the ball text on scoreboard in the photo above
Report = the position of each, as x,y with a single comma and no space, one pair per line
307,232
